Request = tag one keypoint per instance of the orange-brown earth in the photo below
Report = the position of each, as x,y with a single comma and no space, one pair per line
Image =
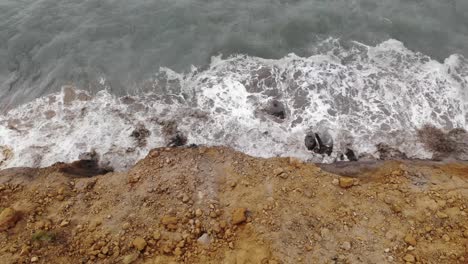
215,205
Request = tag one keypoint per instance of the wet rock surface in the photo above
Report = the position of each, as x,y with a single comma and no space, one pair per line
320,143
386,152
87,166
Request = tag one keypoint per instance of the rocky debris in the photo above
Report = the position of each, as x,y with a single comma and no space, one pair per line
196,212
346,246
276,109
170,222
386,152
409,239
8,218
185,198
34,259
239,216
64,223
441,215
139,243
346,182
280,172
204,239
409,258
131,258
140,134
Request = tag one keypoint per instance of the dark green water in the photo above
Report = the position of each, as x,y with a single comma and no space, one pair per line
47,43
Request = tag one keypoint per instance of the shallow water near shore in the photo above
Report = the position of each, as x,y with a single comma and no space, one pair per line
359,95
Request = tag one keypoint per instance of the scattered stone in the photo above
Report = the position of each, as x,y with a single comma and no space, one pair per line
139,243
64,223
446,238
346,182
278,171
128,259
34,259
239,215
157,235
409,258
126,226
441,215
185,198
8,218
324,233
396,208
169,220
346,245
204,239
198,212
178,251
335,182
409,239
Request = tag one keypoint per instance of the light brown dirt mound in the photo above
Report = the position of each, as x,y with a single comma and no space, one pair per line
215,205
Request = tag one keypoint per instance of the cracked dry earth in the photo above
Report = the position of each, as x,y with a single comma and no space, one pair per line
216,205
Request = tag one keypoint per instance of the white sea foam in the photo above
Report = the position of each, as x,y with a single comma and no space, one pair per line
361,95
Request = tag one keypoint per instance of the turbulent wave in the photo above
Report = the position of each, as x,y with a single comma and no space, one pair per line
359,95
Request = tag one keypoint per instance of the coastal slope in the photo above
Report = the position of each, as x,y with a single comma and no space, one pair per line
217,205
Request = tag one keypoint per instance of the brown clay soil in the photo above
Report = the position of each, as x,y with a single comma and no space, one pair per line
216,205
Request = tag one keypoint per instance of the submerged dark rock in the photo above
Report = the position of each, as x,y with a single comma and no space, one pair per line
310,141
387,153
350,155
276,108
86,166
460,137
177,140
325,144
140,134
173,136
443,144
319,143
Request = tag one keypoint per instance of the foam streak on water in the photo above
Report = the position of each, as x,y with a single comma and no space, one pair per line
360,95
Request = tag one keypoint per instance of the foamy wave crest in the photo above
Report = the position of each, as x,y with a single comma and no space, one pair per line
358,95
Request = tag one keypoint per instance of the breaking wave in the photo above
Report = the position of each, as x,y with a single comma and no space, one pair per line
356,94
